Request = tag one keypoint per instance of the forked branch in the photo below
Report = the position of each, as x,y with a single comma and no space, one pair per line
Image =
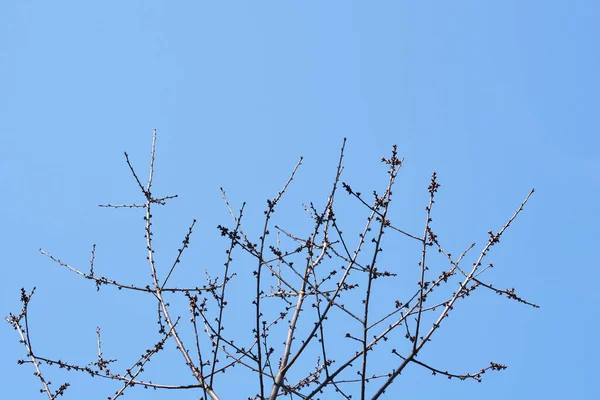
319,320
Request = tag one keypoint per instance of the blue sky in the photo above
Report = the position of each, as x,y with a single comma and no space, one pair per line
497,97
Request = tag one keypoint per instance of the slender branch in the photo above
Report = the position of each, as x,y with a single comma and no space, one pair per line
322,270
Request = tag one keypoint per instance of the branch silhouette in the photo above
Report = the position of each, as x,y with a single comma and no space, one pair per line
318,323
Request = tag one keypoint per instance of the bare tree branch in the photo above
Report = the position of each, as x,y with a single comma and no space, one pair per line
318,322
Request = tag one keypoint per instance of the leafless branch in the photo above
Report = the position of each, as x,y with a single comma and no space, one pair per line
318,321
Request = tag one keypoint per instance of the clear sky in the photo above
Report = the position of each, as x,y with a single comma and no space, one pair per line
497,97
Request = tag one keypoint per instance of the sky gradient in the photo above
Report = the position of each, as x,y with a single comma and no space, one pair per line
497,97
